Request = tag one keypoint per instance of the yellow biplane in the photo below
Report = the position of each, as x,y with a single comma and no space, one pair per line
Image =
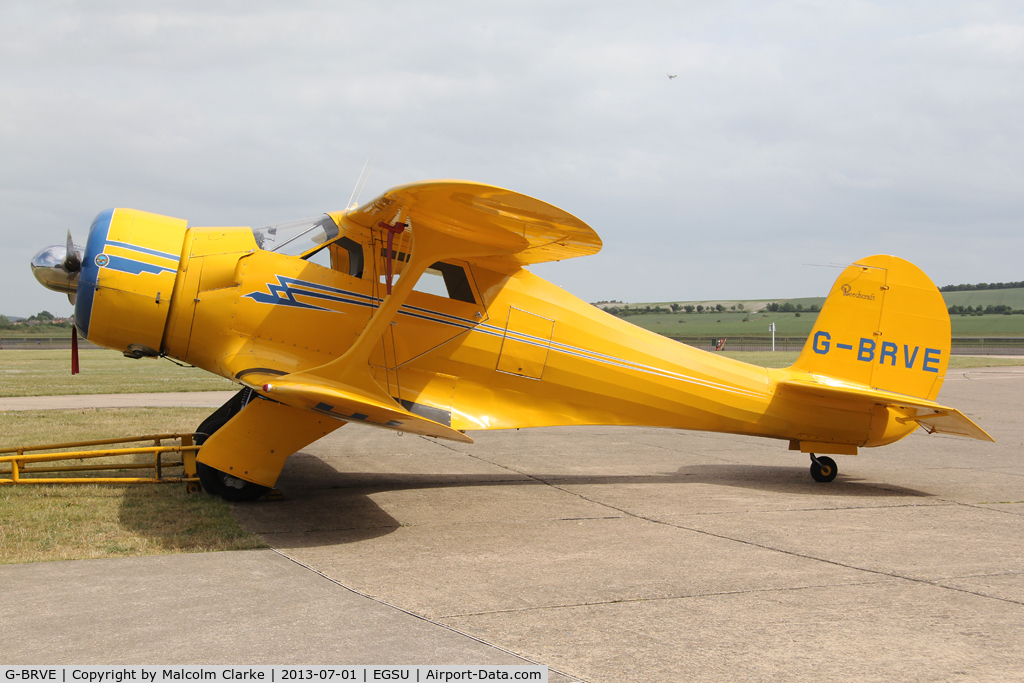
424,319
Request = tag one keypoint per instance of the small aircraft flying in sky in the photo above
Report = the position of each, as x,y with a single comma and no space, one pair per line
416,312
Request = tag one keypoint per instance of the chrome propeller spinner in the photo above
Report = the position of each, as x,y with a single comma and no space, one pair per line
57,267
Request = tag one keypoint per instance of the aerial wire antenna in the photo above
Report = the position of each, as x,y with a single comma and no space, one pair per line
352,204
841,265
355,187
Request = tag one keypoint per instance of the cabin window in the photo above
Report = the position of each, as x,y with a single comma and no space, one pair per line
456,282
321,258
297,238
347,256
446,280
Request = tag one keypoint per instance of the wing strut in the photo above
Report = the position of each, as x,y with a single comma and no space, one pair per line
392,231
345,388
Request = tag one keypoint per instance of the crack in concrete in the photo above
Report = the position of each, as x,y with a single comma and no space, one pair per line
597,603
984,506
421,617
836,563
762,546
714,513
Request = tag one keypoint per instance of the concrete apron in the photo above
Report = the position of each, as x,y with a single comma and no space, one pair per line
608,554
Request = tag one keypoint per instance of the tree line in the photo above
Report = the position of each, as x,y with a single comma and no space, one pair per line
987,310
981,286
774,307
44,318
626,311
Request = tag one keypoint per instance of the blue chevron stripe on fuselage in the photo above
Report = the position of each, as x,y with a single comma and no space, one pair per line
284,293
286,290
133,267
143,250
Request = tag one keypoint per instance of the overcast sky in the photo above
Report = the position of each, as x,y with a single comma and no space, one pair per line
795,133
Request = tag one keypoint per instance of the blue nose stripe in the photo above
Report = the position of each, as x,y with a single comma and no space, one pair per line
90,270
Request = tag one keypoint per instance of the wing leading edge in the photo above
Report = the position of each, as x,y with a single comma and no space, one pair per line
516,228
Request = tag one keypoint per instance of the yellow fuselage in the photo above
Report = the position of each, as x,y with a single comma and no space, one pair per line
524,354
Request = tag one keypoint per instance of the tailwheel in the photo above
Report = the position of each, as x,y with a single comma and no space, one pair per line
823,468
228,487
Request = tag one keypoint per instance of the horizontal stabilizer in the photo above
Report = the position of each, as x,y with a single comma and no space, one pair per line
349,403
934,418
949,421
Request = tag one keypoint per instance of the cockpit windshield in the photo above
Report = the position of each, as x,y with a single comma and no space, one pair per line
297,238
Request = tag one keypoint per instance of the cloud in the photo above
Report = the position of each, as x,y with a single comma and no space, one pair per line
981,45
795,132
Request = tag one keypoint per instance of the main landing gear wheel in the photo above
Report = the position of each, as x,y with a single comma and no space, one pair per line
823,468
216,482
231,489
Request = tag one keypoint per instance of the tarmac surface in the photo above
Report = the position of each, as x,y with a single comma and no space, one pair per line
608,554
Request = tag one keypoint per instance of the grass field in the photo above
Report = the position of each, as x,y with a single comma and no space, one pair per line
79,521
725,324
988,325
44,373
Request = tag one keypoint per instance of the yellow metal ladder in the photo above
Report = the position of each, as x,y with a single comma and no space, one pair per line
18,465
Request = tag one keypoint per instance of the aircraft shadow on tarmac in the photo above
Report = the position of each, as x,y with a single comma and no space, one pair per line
323,506
791,480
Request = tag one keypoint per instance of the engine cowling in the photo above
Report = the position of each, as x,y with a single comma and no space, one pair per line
127,279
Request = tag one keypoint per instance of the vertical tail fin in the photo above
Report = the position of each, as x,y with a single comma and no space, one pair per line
884,325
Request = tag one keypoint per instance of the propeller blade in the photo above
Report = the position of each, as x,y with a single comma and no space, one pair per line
72,263
74,349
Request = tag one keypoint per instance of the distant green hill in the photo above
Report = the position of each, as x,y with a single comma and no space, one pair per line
728,324
753,319
749,305
995,297
1014,298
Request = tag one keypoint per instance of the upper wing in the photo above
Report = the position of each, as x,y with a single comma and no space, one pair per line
448,219
518,228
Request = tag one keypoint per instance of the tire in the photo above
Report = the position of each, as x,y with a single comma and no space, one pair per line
214,481
231,489
824,469
220,417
